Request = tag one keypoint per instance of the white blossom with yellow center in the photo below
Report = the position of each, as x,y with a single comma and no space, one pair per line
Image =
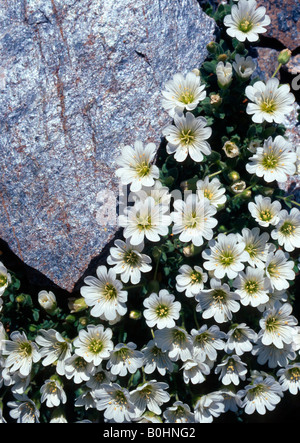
269,101
183,93
246,21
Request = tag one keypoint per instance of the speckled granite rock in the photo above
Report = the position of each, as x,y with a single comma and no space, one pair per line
285,21
77,80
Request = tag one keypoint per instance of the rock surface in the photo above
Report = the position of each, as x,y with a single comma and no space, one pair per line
285,21
77,80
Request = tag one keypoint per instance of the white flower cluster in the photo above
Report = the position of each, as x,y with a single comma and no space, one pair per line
251,268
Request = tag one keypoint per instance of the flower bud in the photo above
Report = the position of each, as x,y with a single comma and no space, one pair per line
238,187
211,47
77,305
47,300
224,74
215,100
267,192
233,176
284,56
83,321
246,194
222,57
135,315
191,250
231,149
21,299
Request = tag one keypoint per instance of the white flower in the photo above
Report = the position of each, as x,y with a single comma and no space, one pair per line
99,377
207,407
145,219
176,341
224,74
217,302
128,261
269,101
53,393
78,369
244,67
136,166
278,326
54,349
188,137
264,211
212,190
240,338
231,400
274,161
24,410
207,341
190,280
116,403
193,219
232,150
225,256
279,269
289,378
21,353
5,278
273,356
158,192
287,231
245,21
151,395
252,287
161,310
87,400
47,300
256,244
179,413
155,358
194,370
261,395
95,344
274,296
124,358
183,93
231,370
105,294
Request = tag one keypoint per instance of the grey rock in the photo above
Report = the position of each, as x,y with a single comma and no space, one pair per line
77,80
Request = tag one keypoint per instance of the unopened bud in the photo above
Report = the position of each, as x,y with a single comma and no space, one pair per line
233,176
267,192
211,47
246,194
284,56
83,321
21,298
191,250
231,149
222,57
47,300
77,304
135,315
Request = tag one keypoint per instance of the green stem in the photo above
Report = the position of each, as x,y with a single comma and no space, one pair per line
277,70
214,174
